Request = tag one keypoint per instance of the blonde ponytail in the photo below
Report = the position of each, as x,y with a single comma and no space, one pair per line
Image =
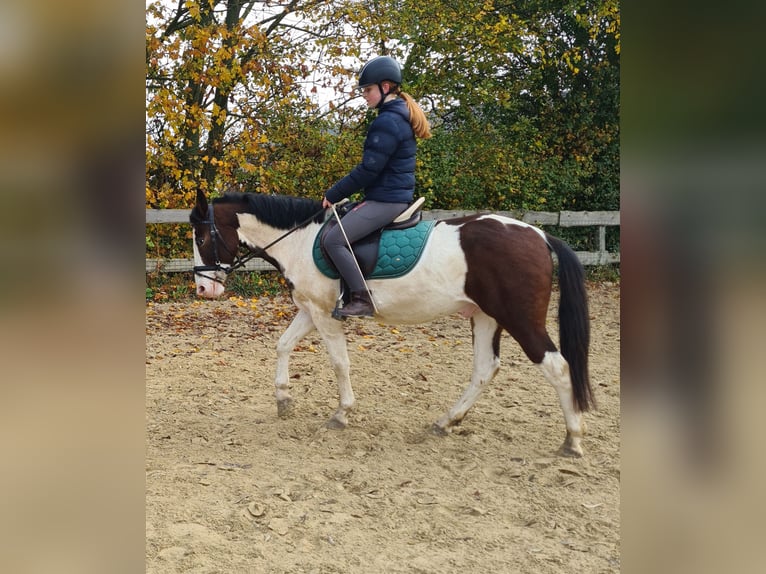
418,119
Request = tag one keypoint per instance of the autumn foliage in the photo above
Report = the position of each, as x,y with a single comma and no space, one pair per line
259,96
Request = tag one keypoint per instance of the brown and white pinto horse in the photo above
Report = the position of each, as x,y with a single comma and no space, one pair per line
496,270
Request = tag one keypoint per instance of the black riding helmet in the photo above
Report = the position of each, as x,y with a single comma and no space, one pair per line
379,70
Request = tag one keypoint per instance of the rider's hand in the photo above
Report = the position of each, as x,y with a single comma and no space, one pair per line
326,203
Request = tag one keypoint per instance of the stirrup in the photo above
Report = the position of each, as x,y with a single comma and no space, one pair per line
363,302
335,314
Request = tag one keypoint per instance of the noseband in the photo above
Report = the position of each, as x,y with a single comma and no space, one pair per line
239,261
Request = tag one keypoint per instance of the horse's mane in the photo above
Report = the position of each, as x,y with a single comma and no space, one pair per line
278,211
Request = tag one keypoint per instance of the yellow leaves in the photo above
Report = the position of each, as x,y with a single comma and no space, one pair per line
193,7
200,40
571,58
241,302
218,115
189,183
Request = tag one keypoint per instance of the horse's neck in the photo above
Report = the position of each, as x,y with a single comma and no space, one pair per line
253,232
289,248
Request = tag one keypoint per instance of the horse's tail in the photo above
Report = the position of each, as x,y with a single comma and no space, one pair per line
574,322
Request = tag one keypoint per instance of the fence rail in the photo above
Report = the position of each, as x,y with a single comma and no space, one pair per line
599,219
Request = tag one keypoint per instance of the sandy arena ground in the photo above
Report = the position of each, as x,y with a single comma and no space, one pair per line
232,488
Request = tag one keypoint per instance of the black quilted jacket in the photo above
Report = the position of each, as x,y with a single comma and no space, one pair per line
387,170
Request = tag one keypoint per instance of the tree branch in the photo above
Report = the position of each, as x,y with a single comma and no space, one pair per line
176,23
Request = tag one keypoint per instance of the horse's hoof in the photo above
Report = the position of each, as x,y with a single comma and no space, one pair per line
570,452
570,448
439,430
284,408
335,424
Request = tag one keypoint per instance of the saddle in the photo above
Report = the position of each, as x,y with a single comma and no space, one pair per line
386,253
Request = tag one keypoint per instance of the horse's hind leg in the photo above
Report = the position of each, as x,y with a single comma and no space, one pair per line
537,345
301,326
486,362
556,370
529,330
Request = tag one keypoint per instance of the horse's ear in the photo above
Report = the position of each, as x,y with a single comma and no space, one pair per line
201,203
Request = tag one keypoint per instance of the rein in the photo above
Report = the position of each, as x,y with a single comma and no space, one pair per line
239,261
289,231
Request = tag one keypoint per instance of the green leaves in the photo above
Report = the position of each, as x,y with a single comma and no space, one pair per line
523,97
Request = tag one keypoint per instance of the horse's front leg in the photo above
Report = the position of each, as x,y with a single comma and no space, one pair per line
335,341
301,326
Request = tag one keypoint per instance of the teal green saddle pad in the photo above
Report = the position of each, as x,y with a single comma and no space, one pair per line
398,252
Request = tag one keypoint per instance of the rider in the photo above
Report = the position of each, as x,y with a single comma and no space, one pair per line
386,173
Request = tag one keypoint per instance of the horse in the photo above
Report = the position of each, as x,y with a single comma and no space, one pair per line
494,270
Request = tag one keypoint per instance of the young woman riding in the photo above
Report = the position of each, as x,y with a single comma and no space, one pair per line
386,174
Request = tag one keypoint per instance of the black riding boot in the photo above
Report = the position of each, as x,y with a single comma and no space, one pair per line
359,306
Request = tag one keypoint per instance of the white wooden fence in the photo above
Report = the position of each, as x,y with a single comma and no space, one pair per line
598,219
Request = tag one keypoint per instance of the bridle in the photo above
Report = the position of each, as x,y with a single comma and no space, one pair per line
239,261
217,266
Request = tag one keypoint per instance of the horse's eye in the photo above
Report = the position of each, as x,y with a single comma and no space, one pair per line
200,241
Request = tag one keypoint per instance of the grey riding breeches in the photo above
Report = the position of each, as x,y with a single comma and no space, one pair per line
365,218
